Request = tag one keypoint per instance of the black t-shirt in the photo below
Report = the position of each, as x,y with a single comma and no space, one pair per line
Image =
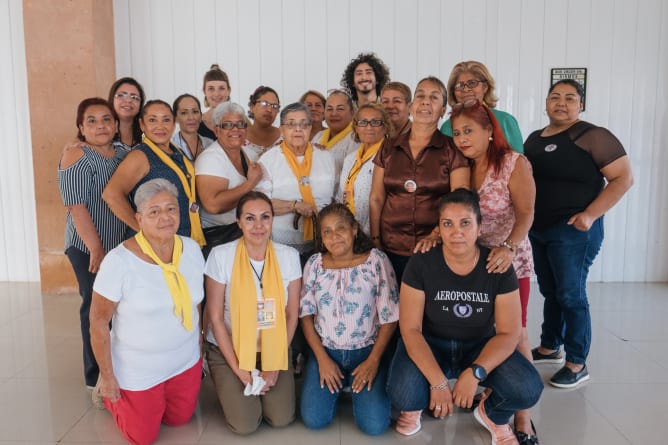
457,307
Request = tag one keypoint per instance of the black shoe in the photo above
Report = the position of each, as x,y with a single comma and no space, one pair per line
554,357
527,439
565,378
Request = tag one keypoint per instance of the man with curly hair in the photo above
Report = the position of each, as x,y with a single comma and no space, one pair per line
364,77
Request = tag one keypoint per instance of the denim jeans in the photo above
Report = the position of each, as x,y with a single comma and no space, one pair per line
515,383
80,262
371,409
562,257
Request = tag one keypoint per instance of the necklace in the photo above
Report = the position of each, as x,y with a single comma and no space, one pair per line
259,276
190,150
475,260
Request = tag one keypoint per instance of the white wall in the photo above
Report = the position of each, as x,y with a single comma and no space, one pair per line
19,256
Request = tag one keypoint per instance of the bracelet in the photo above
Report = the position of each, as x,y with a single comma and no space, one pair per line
508,245
441,386
294,206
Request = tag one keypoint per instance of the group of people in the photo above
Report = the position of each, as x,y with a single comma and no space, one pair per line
216,234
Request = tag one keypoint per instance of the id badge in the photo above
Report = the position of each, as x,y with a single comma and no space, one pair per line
266,313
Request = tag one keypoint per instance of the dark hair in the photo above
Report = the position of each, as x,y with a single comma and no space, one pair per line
498,147
344,93
214,74
255,96
156,102
439,83
294,107
136,131
574,83
469,198
404,89
253,196
315,93
177,102
84,105
387,123
380,70
361,244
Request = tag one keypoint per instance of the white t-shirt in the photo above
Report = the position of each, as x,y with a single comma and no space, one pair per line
339,151
361,188
280,183
219,266
214,162
148,342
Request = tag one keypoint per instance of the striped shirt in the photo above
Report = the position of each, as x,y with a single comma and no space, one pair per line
82,183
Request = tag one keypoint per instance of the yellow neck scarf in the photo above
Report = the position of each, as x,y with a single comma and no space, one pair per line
183,306
328,143
243,312
362,157
188,184
302,172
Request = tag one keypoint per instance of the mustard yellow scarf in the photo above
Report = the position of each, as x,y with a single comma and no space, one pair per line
176,283
243,312
328,143
361,158
302,172
188,184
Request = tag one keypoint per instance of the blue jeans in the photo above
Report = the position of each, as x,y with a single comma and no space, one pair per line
515,383
371,409
562,256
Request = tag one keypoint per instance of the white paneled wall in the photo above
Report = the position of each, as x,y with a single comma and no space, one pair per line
19,256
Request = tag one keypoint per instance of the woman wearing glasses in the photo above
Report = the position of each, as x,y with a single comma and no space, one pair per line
371,125
224,173
127,97
263,106
299,180
472,81
337,138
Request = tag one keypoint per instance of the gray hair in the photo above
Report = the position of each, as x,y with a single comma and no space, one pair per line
227,108
297,106
151,188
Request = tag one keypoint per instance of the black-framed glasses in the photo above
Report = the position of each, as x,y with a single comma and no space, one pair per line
126,96
471,84
372,122
265,104
293,125
227,125
466,104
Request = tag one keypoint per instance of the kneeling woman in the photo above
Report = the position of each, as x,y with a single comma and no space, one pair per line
150,287
349,309
460,321
252,288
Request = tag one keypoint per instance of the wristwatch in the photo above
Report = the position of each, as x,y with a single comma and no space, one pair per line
479,372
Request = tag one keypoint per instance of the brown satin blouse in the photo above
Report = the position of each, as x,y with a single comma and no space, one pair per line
407,217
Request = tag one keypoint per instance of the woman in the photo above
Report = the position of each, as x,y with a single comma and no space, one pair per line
150,288
156,157
412,172
263,106
224,173
459,320
188,115
315,102
395,98
252,288
371,125
581,171
503,179
216,88
472,81
337,137
91,229
299,180
347,350
127,97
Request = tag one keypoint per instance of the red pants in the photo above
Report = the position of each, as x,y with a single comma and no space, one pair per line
138,414
525,290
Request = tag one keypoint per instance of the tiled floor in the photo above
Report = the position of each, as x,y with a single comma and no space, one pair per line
43,400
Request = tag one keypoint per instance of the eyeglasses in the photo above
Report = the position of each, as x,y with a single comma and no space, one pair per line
126,96
372,122
466,104
471,84
229,125
265,104
292,125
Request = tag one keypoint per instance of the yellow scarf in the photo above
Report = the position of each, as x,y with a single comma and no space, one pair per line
349,192
243,312
188,184
176,283
328,143
302,172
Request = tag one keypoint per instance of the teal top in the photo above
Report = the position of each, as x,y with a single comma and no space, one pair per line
511,129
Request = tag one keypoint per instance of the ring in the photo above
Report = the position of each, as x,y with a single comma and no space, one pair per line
437,407
498,262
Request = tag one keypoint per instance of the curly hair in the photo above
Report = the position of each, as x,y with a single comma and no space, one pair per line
380,70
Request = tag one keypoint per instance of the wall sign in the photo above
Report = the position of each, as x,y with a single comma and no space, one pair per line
577,74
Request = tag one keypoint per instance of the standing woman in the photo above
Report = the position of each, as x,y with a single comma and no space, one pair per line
581,171
337,138
216,87
472,81
263,107
156,157
188,115
315,102
395,98
91,229
252,288
127,97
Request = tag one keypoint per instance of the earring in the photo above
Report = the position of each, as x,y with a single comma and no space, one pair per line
491,138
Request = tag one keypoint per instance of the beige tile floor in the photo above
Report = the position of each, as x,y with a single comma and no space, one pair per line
43,400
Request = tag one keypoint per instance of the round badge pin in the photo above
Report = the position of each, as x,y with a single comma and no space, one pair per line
550,148
410,186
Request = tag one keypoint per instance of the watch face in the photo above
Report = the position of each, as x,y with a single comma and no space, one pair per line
479,372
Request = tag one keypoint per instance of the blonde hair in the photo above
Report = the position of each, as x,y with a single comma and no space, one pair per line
481,72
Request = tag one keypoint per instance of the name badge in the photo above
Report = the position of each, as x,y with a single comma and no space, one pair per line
410,186
194,207
266,313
